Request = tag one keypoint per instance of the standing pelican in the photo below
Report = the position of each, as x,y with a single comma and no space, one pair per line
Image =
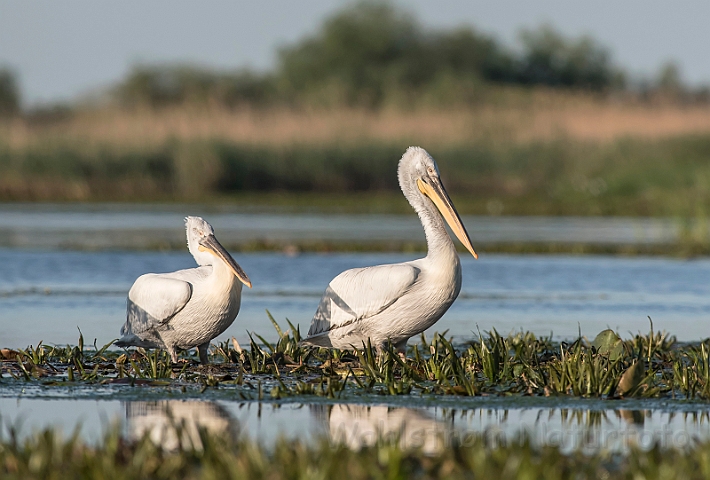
188,308
390,303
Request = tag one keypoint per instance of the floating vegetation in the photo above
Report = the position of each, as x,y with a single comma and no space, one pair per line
648,366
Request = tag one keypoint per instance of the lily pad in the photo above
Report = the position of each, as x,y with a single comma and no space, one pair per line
609,343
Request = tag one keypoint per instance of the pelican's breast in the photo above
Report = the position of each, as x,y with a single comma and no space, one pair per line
435,291
214,305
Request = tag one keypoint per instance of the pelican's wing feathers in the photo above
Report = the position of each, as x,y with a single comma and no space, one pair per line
361,293
153,300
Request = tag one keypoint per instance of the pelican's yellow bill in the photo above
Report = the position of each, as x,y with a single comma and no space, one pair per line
212,245
441,199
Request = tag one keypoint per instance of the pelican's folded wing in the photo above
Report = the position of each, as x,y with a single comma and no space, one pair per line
153,300
361,293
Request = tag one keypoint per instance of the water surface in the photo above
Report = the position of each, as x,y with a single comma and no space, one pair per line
47,295
51,286
609,426
107,226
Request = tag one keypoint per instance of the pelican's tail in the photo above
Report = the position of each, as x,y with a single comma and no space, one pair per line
324,340
320,340
131,340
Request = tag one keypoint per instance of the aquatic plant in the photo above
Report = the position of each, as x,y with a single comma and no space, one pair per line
652,366
47,454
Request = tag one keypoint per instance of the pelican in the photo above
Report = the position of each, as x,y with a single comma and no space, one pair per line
391,303
188,308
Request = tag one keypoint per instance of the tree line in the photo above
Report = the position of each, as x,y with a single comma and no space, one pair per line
371,54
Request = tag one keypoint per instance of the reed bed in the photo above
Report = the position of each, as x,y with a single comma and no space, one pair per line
510,116
525,153
628,177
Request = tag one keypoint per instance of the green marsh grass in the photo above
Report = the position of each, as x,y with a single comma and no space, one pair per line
663,175
49,455
653,365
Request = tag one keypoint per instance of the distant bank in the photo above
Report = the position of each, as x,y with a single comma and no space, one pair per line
145,227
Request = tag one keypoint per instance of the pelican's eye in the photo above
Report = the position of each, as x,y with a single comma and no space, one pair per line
431,171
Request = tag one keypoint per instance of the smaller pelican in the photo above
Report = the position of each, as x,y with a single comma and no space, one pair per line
391,303
188,308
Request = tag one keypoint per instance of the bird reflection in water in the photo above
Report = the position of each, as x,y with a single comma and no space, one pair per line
175,424
358,426
632,417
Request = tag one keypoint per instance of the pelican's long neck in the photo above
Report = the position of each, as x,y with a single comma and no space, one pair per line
438,241
222,277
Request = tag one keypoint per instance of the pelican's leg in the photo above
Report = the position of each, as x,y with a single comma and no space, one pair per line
401,348
173,354
202,349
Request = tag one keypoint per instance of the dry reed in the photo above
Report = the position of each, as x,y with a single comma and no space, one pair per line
542,116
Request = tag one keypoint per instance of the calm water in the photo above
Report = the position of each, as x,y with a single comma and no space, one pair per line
47,293
594,427
136,227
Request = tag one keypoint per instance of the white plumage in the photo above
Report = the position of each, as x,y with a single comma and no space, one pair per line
391,303
188,308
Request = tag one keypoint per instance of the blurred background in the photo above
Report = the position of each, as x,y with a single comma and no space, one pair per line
544,109
559,127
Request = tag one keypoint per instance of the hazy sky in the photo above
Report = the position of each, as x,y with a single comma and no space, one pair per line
63,49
